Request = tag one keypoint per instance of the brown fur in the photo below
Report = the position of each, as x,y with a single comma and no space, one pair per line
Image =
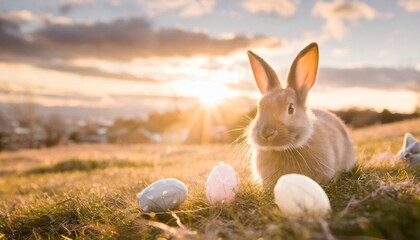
327,152
314,143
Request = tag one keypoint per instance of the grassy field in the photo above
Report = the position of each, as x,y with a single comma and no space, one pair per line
89,192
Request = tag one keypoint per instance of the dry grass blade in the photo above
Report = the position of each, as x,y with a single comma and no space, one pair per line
182,226
175,232
326,229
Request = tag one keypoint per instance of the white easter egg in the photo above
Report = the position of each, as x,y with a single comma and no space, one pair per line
222,184
163,195
298,196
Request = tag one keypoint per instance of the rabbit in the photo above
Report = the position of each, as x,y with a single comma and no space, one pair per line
410,151
286,136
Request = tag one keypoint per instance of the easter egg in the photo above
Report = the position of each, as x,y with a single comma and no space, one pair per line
222,184
298,196
163,195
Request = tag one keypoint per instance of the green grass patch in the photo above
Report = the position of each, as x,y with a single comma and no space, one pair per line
96,199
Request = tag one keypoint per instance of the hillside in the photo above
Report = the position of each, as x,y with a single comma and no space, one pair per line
89,191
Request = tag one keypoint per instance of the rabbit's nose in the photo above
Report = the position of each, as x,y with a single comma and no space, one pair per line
268,132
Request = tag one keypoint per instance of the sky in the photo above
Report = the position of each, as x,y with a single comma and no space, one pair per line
144,55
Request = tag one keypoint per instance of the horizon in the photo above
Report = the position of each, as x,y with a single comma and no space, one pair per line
140,55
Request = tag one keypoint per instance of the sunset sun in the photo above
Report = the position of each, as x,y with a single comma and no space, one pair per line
211,97
210,94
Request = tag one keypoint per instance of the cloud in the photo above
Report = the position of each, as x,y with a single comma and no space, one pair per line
339,13
364,77
384,53
368,77
18,16
95,72
186,8
53,46
115,2
284,8
67,6
14,43
245,85
25,16
340,52
76,2
410,5
122,40
24,94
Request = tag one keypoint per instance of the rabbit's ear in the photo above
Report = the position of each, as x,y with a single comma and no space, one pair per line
302,74
408,140
264,75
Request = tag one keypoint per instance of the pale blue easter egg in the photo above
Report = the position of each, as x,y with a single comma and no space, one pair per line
163,195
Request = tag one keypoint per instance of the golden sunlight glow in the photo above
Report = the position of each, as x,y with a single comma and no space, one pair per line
210,94
211,97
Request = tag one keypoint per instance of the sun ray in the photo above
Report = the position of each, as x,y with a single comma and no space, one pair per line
210,94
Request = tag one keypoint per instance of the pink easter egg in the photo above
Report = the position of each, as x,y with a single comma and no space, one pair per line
222,184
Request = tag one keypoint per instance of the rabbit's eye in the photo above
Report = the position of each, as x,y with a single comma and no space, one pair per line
291,109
